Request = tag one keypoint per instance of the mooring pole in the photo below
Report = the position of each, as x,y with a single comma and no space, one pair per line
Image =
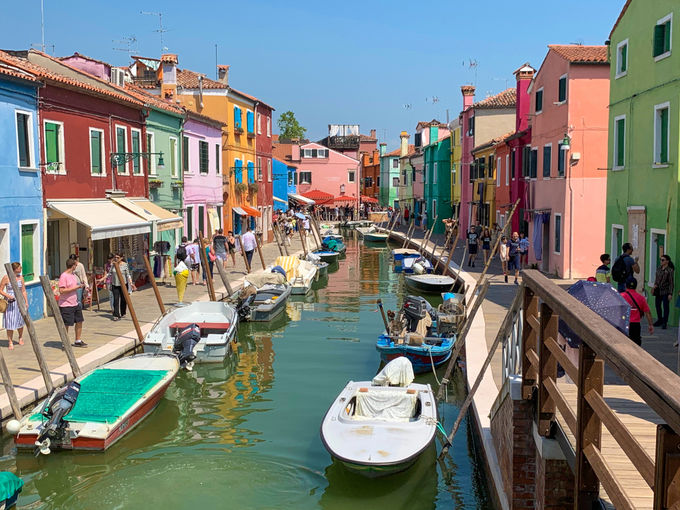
152,279
223,276
259,252
128,301
206,269
243,252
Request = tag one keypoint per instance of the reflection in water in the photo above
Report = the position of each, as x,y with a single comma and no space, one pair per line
245,433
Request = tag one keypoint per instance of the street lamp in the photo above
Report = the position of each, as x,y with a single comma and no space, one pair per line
120,158
566,142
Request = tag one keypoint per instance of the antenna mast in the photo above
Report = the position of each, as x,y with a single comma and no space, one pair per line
160,30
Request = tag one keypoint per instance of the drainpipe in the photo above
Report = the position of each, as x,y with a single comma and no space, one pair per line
571,209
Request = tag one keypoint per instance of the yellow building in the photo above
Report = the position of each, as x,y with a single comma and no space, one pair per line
483,177
456,156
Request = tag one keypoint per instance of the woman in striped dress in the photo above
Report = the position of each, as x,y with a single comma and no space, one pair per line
12,318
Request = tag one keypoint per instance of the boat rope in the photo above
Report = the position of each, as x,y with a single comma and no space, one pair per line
434,371
440,428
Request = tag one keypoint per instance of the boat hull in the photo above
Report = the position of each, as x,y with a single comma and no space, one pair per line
265,312
376,237
328,256
435,285
377,470
421,357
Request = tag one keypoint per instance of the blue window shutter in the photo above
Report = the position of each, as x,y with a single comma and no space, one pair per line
251,172
251,122
238,173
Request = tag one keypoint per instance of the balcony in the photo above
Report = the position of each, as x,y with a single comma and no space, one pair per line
343,142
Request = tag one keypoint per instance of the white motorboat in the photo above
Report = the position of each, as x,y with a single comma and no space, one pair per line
434,283
263,296
376,428
300,273
201,332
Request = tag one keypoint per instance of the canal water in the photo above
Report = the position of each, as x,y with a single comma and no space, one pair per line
245,434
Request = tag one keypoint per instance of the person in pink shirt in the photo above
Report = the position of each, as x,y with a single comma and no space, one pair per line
638,308
70,308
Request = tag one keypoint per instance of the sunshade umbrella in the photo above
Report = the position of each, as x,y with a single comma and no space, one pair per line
604,300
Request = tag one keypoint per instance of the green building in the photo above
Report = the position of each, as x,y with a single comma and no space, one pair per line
389,177
437,185
644,136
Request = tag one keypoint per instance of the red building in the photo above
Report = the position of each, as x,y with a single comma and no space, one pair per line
263,149
83,120
370,174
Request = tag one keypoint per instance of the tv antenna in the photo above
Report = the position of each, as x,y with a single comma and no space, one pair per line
160,30
472,65
42,46
130,42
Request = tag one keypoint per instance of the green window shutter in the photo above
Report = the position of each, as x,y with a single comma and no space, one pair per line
623,67
663,152
562,92
27,252
667,36
560,160
217,157
201,219
185,153
203,156
547,160
23,140
120,147
136,148
659,40
620,142
539,101
96,152
533,170
148,149
51,142
190,222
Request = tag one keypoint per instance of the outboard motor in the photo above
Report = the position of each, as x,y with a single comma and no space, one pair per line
55,409
245,298
185,341
414,310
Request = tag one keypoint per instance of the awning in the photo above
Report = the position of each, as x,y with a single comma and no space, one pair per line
239,211
251,211
166,220
369,200
301,199
319,197
105,218
279,200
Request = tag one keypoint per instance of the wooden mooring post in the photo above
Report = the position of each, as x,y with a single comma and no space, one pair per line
259,251
206,268
276,238
243,253
409,232
303,239
223,277
128,301
32,335
152,280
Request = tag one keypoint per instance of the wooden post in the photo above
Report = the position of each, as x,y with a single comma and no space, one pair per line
449,257
589,426
316,230
276,238
397,215
128,300
61,329
9,388
223,276
547,369
529,336
259,252
23,310
243,252
409,231
206,269
446,243
667,472
428,235
152,279
95,291
303,240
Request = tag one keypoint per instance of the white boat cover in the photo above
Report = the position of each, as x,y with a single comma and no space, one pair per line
313,257
260,279
398,372
385,405
288,263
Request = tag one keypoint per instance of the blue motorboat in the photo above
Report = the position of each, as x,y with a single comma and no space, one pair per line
419,265
400,255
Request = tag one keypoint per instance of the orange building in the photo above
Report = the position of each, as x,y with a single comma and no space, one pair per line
370,172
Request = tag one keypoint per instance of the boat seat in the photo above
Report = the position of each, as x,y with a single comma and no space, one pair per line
385,405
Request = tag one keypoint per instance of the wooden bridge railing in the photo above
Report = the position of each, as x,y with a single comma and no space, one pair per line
544,305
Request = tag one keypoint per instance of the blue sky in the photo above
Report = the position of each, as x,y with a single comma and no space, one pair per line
375,63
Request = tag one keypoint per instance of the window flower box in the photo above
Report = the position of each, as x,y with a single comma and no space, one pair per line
177,184
240,188
155,183
238,130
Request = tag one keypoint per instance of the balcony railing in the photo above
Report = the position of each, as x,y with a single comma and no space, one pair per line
343,142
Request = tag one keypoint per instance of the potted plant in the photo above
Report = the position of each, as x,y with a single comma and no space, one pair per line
178,184
240,187
155,183
252,188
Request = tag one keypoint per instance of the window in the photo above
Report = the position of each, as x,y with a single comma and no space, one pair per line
418,139
561,159
377,181
121,147
619,141
54,145
662,37
533,164
173,157
539,100
562,89
305,177
395,163
434,209
238,171
136,148
30,255
189,222
395,182
498,172
471,126
201,221
617,240
434,173
306,153
622,58
217,158
547,159
526,161
237,118
269,126
321,153
250,121
290,177
558,234
657,248
219,216
97,166
350,176
661,138
203,157
453,175
259,123
251,172
507,168
26,155
512,164
259,169
269,170
151,147
490,162
185,154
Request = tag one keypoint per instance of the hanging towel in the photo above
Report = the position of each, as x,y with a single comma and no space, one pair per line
157,265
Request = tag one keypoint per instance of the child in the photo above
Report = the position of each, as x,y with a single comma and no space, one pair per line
603,273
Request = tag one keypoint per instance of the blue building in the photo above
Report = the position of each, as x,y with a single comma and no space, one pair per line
21,211
285,182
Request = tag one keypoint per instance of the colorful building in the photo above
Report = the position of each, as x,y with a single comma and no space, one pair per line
406,173
389,176
370,172
480,122
644,144
437,186
456,154
568,186
284,183
328,171
265,177
483,174
21,207
202,171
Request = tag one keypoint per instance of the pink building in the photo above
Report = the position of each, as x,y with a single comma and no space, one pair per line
326,170
567,185
203,198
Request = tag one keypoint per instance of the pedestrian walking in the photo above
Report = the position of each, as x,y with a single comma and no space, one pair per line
12,319
106,278
193,260
424,220
220,248
231,246
503,253
119,303
406,214
514,255
486,244
211,258
523,251
473,244
602,273
663,290
71,311
249,245
81,274
638,308
625,267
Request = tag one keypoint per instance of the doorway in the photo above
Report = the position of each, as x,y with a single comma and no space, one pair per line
53,253
637,236
545,262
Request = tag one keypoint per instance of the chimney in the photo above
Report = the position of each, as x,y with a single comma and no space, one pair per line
524,76
168,72
383,149
373,133
223,74
404,144
468,96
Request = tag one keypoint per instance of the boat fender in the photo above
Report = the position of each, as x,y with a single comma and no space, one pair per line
363,390
410,391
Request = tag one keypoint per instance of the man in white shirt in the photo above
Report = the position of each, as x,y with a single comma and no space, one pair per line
249,245
193,260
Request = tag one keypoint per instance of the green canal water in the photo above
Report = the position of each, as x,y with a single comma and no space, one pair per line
246,434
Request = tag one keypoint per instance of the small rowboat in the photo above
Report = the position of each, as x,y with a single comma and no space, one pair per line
376,237
100,407
431,283
327,256
400,254
376,430
217,322
263,297
418,265
433,351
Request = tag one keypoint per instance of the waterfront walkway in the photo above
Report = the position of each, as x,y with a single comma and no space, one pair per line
107,339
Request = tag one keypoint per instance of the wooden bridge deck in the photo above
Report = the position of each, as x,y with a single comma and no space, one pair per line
640,419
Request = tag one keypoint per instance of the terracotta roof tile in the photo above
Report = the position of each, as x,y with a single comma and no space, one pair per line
578,54
52,76
433,122
152,100
493,141
15,72
505,99
397,152
189,80
621,15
